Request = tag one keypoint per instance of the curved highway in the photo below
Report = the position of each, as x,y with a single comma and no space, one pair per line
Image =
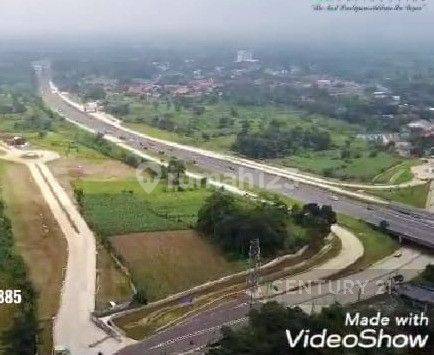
412,224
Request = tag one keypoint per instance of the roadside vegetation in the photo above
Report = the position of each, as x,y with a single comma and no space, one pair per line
397,174
160,262
18,321
377,244
310,142
38,240
414,195
427,275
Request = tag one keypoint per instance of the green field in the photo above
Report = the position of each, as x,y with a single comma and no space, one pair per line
397,174
216,130
121,207
363,168
218,125
414,196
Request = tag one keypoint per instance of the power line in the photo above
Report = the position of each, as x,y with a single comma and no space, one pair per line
254,267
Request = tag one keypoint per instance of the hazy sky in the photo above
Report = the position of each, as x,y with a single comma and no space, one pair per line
262,19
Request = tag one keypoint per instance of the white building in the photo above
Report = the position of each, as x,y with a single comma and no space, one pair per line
91,107
197,74
323,83
245,56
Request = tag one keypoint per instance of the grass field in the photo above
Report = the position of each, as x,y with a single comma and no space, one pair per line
397,174
163,263
121,207
39,241
68,169
207,131
414,196
363,168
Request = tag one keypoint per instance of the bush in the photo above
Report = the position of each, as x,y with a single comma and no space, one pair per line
132,160
140,296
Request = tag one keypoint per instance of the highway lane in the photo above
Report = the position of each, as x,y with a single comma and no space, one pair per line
414,225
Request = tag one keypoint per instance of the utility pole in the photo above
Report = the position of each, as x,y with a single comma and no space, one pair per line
254,266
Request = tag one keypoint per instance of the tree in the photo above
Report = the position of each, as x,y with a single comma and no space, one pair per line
140,296
198,110
20,338
79,195
234,112
384,225
132,160
175,169
120,109
94,93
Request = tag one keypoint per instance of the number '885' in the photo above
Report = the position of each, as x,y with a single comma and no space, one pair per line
10,296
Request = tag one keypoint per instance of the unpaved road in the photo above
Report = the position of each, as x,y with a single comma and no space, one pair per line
73,327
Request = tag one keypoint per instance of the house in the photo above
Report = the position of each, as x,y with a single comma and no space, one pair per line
423,125
245,56
91,107
388,117
421,129
379,94
323,83
17,141
382,138
197,74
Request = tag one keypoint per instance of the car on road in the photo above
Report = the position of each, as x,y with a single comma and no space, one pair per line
335,198
61,350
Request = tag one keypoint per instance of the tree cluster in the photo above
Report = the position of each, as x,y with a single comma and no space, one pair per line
232,223
276,141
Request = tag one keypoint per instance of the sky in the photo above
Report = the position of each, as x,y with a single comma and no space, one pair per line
202,19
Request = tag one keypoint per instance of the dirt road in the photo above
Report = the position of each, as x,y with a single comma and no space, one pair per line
73,327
